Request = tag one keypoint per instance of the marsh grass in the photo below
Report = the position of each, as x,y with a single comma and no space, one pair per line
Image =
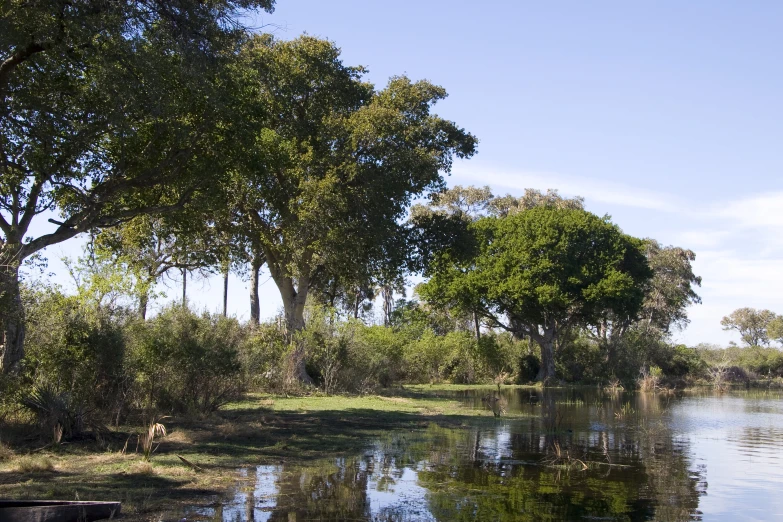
624,411
558,457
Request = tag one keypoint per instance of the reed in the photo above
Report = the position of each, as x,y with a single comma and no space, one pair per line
624,411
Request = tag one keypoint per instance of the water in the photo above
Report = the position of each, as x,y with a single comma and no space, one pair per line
575,454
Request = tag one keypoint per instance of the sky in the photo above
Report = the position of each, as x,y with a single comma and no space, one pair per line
665,115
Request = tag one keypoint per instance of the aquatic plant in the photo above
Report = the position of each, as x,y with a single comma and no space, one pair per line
624,411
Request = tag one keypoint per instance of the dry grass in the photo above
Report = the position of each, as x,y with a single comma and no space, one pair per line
142,468
180,437
33,465
6,453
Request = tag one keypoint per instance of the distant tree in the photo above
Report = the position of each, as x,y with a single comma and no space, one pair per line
471,203
541,272
442,224
775,329
751,324
149,247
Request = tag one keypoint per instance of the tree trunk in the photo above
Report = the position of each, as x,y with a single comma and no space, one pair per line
547,343
184,288
143,302
388,304
12,319
547,371
255,305
294,300
225,294
477,326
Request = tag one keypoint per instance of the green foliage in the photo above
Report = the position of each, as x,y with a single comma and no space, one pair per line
579,360
683,361
325,177
775,329
758,360
75,347
184,362
262,355
541,271
751,324
671,289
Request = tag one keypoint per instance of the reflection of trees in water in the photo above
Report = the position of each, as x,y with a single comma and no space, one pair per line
650,478
335,491
495,470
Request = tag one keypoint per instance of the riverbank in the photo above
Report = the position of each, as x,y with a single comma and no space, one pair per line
262,429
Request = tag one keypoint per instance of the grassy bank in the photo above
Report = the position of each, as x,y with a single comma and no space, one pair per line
261,429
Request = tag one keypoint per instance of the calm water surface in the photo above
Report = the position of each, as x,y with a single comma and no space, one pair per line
570,454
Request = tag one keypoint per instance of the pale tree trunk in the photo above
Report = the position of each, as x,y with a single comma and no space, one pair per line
387,293
143,302
225,294
294,300
547,371
255,305
184,288
12,319
547,343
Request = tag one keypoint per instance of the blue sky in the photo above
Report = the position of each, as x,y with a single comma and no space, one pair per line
665,115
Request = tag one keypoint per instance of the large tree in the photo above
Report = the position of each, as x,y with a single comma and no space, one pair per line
751,324
328,180
667,297
442,223
540,272
108,110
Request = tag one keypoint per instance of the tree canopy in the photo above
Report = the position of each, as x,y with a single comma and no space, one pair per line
751,324
539,272
108,110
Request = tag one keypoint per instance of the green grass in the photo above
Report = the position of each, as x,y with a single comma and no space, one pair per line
261,429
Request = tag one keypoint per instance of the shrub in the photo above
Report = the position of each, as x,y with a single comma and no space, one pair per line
262,356
681,361
528,369
186,362
75,352
425,358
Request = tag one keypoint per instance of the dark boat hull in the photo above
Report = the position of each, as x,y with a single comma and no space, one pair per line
56,511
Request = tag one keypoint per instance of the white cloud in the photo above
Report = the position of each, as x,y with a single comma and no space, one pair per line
764,210
591,189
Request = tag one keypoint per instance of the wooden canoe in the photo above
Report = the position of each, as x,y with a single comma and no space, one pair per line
56,511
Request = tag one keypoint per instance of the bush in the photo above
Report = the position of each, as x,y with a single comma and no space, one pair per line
185,362
262,356
681,361
74,351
